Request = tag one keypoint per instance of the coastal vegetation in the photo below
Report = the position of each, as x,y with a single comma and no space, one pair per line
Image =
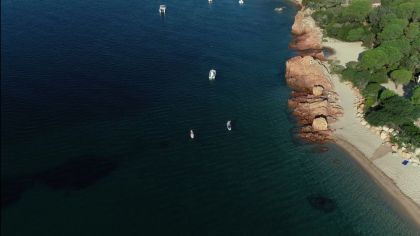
391,33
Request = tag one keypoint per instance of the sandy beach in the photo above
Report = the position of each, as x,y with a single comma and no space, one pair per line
400,182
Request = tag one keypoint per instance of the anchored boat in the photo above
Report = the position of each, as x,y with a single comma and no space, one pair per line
192,134
212,74
229,125
162,9
279,9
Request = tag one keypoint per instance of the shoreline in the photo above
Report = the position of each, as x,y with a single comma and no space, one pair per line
405,205
363,145
398,183
367,148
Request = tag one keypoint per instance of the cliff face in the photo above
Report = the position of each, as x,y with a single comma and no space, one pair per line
313,100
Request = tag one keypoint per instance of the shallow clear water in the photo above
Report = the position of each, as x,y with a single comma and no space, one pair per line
97,101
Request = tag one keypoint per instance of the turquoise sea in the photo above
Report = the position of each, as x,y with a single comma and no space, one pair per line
97,98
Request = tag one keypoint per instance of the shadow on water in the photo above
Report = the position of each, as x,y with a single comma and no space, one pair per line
318,149
73,175
12,190
321,203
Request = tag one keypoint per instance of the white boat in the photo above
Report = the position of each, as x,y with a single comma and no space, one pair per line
162,9
212,74
229,125
210,1
241,2
191,134
279,9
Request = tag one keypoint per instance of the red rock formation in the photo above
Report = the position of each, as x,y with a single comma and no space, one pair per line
304,73
307,35
312,97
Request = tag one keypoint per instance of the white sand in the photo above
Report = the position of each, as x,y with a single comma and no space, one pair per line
344,51
407,177
399,181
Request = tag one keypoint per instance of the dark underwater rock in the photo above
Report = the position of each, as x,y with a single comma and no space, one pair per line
75,174
322,203
78,173
12,190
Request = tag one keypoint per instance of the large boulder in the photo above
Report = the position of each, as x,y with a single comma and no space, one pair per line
320,124
317,90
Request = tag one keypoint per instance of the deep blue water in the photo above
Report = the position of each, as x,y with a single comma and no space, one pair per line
98,97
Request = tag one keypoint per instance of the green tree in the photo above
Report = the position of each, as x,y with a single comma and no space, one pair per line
393,30
402,45
385,94
355,34
412,63
356,12
393,55
373,59
395,110
410,134
405,10
402,76
412,31
415,98
370,92
415,46
379,76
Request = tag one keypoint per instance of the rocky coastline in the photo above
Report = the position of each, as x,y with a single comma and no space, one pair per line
313,101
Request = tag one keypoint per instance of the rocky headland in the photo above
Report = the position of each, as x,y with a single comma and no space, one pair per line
313,101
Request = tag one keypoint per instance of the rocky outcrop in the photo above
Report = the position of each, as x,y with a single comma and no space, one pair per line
303,73
307,35
313,101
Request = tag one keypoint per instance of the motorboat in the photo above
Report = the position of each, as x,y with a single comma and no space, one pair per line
191,134
279,9
241,2
229,125
162,9
212,74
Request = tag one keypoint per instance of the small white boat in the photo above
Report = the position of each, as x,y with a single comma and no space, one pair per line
192,134
162,9
241,2
229,125
210,1
279,9
212,74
